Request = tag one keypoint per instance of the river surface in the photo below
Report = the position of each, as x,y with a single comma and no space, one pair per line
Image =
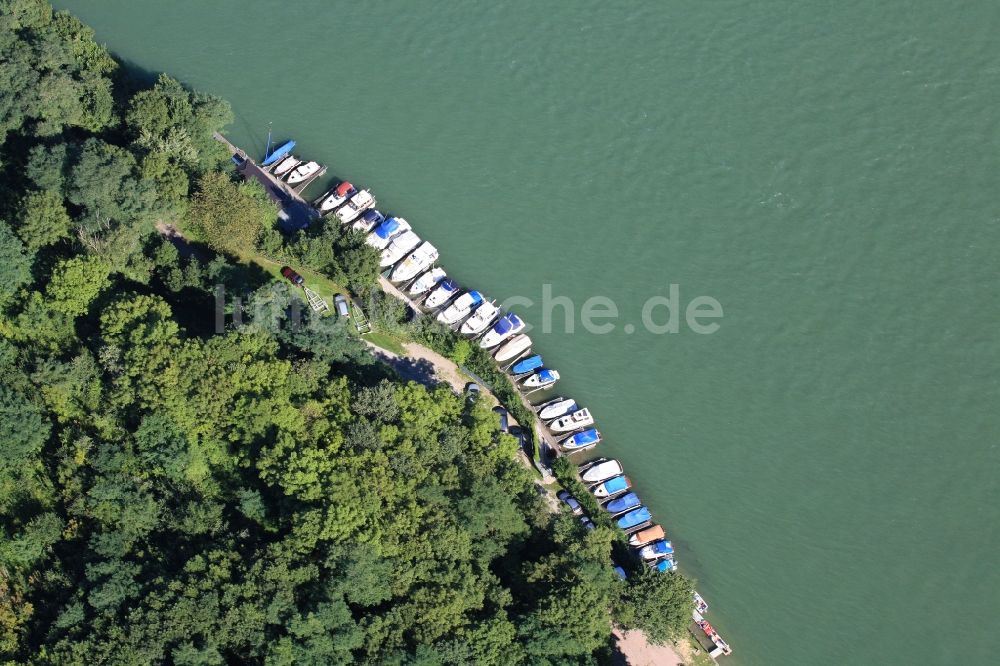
827,461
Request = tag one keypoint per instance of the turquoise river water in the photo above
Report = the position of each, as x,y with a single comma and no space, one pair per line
827,461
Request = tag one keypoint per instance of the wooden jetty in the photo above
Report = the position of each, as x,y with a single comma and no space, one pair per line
296,211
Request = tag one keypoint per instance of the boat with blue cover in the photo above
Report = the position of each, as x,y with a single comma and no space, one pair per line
634,518
656,549
369,221
664,565
556,407
543,378
383,234
278,153
443,292
623,503
508,326
460,308
526,365
612,487
621,572
582,440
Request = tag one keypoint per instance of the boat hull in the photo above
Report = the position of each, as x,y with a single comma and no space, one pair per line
601,471
426,281
557,409
513,348
575,421
303,173
443,293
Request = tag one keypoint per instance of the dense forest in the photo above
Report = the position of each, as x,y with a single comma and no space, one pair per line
265,494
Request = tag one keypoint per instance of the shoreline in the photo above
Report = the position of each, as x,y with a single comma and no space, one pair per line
293,204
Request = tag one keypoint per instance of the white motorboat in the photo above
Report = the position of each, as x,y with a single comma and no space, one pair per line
513,348
480,319
543,378
460,308
421,258
383,234
356,205
426,281
286,165
557,407
601,471
656,550
441,294
336,197
369,221
398,248
303,172
507,327
578,419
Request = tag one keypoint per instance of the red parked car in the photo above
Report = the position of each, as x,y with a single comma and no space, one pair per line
292,276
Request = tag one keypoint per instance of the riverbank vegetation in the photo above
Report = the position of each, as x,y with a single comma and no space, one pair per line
173,490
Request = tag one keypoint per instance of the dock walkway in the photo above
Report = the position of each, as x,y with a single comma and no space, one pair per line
296,213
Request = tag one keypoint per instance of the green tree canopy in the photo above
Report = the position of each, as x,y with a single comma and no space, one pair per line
44,219
230,216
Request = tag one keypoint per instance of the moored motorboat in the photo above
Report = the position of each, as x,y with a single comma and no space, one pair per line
664,565
600,470
303,172
336,197
633,518
356,205
383,234
613,486
368,221
513,348
443,292
286,165
582,440
526,365
398,248
508,326
426,281
557,407
578,419
643,537
460,308
700,605
656,549
624,503
543,378
480,320
421,258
